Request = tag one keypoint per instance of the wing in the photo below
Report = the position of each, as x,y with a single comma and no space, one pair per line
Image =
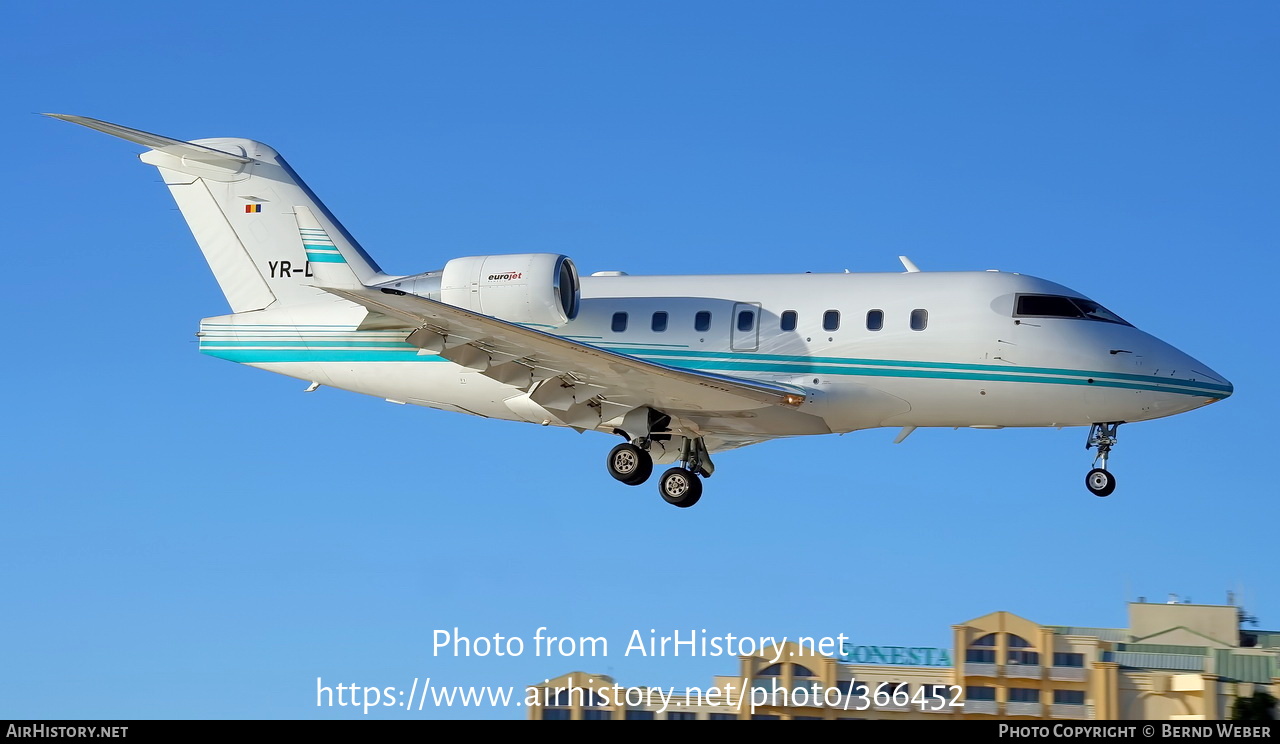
585,386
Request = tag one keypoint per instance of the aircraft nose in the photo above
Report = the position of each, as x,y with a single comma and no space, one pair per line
1194,373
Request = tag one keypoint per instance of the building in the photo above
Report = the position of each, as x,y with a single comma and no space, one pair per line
1174,661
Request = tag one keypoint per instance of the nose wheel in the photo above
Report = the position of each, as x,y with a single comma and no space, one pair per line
1100,481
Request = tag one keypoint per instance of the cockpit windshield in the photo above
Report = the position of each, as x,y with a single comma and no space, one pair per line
1057,306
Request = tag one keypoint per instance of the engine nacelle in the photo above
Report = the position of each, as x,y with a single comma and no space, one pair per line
535,288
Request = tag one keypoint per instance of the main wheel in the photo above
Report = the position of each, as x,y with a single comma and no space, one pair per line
630,464
680,487
1100,482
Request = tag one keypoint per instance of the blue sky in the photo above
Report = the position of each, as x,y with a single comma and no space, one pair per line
183,537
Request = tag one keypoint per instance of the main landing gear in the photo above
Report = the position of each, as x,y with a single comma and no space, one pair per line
1103,436
631,463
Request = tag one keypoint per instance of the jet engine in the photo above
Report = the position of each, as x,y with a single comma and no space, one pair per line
540,289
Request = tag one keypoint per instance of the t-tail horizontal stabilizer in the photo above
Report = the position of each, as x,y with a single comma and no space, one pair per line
169,145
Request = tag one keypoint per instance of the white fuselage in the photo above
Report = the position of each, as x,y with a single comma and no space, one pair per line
973,363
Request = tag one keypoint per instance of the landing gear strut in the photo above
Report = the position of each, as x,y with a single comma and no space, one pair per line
1099,480
680,486
631,463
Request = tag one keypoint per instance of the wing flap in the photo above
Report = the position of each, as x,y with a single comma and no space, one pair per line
508,350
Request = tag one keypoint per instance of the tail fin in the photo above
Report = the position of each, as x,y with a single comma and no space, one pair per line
245,207
324,258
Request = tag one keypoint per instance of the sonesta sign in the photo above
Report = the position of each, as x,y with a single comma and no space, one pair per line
895,655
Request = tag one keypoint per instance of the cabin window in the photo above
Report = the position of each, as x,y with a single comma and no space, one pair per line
702,321
875,320
746,320
919,320
788,320
831,320
619,322
659,322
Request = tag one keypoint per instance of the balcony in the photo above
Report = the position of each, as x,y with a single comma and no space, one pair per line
981,707
981,670
1024,671
1076,712
1023,709
1067,674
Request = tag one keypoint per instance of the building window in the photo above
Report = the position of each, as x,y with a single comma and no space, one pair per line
764,717
592,700
771,671
831,320
555,714
597,715
942,691
980,656
702,321
619,322
987,640
746,320
659,322
562,699
875,320
919,320
1024,695
1068,697
806,718
1068,660
788,322
799,670
722,717
977,692
1017,655
640,715
681,716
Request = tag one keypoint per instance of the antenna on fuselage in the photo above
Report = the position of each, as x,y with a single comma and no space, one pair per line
908,265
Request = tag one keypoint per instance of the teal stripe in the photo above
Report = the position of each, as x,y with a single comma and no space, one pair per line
409,354
305,344
930,374
1150,379
325,258
791,364
265,356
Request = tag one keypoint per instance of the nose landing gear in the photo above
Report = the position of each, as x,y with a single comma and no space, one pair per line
1100,481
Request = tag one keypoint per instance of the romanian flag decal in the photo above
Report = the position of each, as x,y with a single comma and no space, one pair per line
252,208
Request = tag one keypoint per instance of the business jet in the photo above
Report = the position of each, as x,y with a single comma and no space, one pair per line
679,367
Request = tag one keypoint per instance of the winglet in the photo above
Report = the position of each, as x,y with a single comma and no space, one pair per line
155,141
908,265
